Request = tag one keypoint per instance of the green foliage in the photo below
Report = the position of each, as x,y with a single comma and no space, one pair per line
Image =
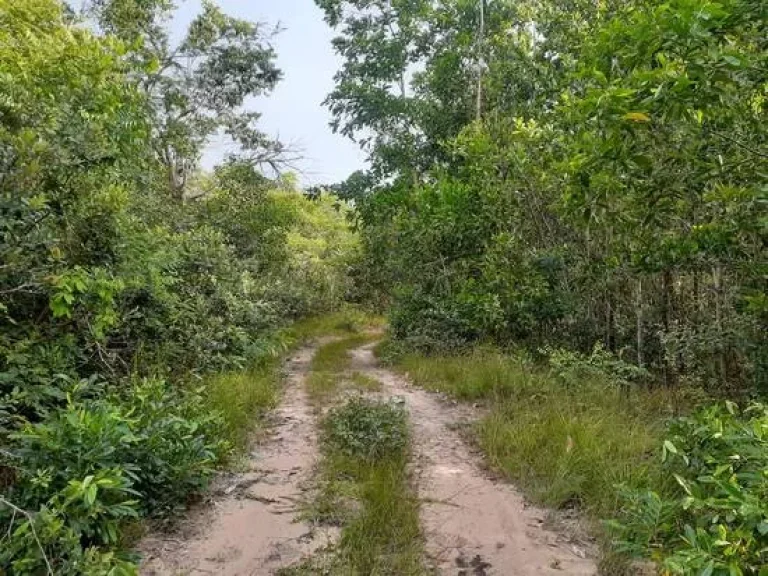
160,438
366,429
578,172
365,488
716,522
117,296
46,542
573,368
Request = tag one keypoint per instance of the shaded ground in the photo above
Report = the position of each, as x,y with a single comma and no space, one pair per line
472,524
252,526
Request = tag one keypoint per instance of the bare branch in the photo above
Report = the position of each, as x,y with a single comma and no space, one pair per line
31,519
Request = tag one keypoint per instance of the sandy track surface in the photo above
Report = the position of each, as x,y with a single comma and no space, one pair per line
473,525
251,528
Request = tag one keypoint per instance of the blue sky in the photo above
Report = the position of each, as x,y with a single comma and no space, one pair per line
294,111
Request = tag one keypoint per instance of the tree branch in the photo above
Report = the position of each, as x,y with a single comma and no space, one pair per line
31,519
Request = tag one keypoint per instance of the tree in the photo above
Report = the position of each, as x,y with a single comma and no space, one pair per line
197,87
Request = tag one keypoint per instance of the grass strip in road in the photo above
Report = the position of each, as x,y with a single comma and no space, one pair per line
329,364
364,488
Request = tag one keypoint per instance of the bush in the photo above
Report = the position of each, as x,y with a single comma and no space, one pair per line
164,441
45,543
367,429
572,367
70,529
92,466
716,522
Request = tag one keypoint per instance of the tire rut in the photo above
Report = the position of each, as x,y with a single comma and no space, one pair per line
473,526
252,526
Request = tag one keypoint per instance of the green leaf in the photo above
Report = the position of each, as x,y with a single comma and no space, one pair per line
637,117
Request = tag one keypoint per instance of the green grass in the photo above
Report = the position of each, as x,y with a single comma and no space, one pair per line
563,445
370,498
480,375
329,364
364,383
243,398
348,320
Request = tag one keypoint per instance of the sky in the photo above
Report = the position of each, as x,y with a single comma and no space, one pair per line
293,112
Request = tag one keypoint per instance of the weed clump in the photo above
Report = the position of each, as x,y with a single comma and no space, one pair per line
367,429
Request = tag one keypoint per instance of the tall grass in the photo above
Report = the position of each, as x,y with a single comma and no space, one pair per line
563,444
243,398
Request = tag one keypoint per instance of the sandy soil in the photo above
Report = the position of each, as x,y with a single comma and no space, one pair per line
473,525
251,527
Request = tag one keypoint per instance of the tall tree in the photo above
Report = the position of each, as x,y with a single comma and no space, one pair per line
197,87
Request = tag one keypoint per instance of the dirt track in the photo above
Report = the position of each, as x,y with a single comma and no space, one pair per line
251,527
473,525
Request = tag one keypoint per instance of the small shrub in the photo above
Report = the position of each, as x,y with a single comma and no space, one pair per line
572,368
716,523
165,441
179,442
69,531
367,429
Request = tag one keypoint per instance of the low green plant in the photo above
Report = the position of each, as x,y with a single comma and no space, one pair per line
69,533
165,440
715,523
96,464
242,398
477,375
573,368
363,486
366,429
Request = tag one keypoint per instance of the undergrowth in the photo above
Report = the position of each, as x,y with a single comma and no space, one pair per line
566,440
363,486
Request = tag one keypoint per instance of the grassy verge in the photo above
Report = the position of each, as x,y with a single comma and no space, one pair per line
364,488
564,444
243,398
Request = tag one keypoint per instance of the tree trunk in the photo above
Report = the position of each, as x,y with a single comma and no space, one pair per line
480,63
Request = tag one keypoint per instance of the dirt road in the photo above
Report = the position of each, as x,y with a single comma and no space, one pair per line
473,524
251,527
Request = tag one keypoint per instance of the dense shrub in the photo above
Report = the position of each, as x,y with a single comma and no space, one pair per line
717,522
367,429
